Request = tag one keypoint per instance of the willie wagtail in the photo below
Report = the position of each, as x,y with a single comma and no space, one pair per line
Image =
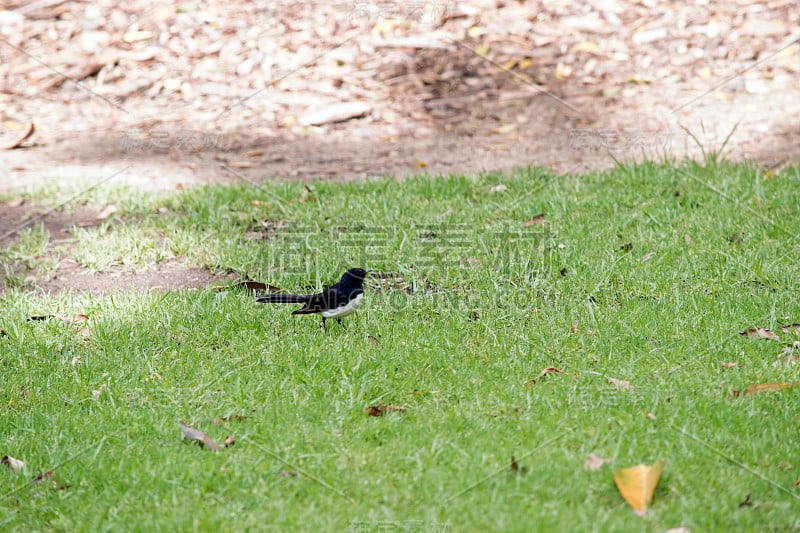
336,301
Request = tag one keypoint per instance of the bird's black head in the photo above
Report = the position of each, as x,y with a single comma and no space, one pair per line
355,275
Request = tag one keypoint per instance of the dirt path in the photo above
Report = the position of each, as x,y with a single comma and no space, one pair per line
215,92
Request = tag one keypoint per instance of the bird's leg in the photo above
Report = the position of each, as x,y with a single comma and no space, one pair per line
323,324
339,321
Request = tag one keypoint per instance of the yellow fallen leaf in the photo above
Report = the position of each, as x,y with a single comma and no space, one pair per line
789,51
482,50
135,36
508,65
584,46
475,32
506,128
769,387
637,484
563,71
704,73
523,63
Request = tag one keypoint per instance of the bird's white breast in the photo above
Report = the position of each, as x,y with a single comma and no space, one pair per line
344,310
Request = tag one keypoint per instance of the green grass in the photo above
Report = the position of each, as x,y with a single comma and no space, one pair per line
493,302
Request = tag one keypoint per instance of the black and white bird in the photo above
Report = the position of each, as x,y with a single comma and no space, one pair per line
336,301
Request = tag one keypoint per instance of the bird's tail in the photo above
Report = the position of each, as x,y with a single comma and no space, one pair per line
282,299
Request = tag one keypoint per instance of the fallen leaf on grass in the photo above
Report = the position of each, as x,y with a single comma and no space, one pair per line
768,387
574,327
594,462
107,212
522,470
53,478
237,418
16,202
550,369
620,383
197,435
759,333
791,328
98,392
15,465
287,473
381,409
229,441
536,220
746,503
637,484
498,188
788,355
729,365
544,372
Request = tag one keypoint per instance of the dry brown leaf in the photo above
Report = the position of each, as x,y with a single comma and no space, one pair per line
198,436
788,355
746,503
550,369
15,465
729,365
287,473
760,333
498,188
769,387
536,220
18,133
792,328
594,462
107,212
522,470
229,441
98,391
381,409
637,484
16,202
55,482
687,238
620,383
574,327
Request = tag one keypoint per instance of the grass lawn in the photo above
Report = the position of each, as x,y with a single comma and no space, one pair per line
635,283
